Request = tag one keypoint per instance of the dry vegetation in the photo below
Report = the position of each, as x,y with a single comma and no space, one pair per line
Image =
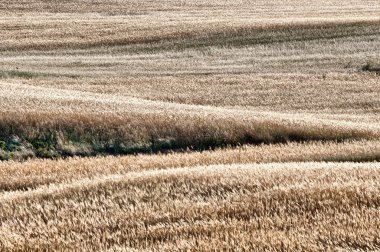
282,97
283,206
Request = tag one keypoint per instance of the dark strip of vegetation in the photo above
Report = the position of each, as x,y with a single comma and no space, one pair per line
249,37
371,67
53,136
20,74
5,74
234,37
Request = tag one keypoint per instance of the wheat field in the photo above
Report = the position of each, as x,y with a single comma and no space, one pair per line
190,125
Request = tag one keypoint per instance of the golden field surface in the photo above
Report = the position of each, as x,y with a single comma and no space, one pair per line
273,206
190,125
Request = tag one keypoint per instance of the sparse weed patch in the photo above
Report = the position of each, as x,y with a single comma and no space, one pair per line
20,74
370,66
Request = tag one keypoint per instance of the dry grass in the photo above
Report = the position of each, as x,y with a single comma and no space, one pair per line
288,206
53,135
33,173
285,93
